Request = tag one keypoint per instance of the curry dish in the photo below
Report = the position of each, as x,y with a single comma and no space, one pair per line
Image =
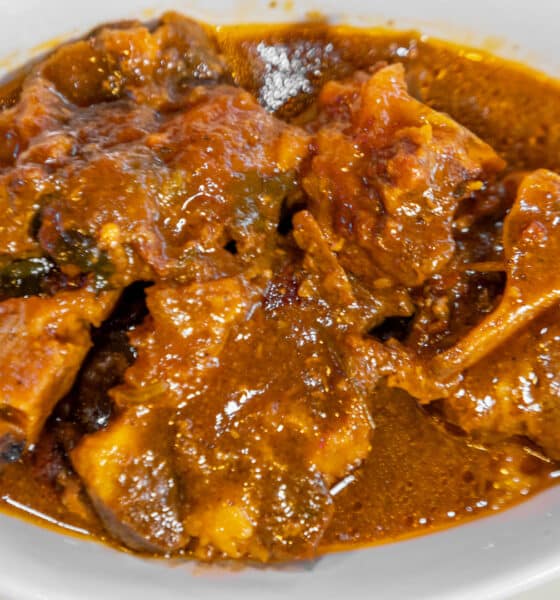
272,291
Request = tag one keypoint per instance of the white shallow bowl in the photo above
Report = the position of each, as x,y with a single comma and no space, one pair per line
495,557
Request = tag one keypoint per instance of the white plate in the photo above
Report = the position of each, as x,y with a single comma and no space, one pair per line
490,558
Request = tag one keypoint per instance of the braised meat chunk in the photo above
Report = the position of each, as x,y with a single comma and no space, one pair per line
129,475
255,450
141,69
139,478
125,188
530,245
42,344
531,242
519,342
214,173
520,395
389,175
152,67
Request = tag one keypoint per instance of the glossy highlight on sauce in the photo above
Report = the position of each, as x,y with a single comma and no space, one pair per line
253,279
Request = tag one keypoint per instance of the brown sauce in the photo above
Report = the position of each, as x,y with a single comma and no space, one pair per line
421,474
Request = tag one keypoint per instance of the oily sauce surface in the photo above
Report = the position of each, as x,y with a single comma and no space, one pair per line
421,471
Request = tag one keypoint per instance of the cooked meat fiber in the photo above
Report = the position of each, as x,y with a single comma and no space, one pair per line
389,175
167,173
129,474
214,172
521,344
518,395
150,67
325,280
531,243
42,344
253,450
